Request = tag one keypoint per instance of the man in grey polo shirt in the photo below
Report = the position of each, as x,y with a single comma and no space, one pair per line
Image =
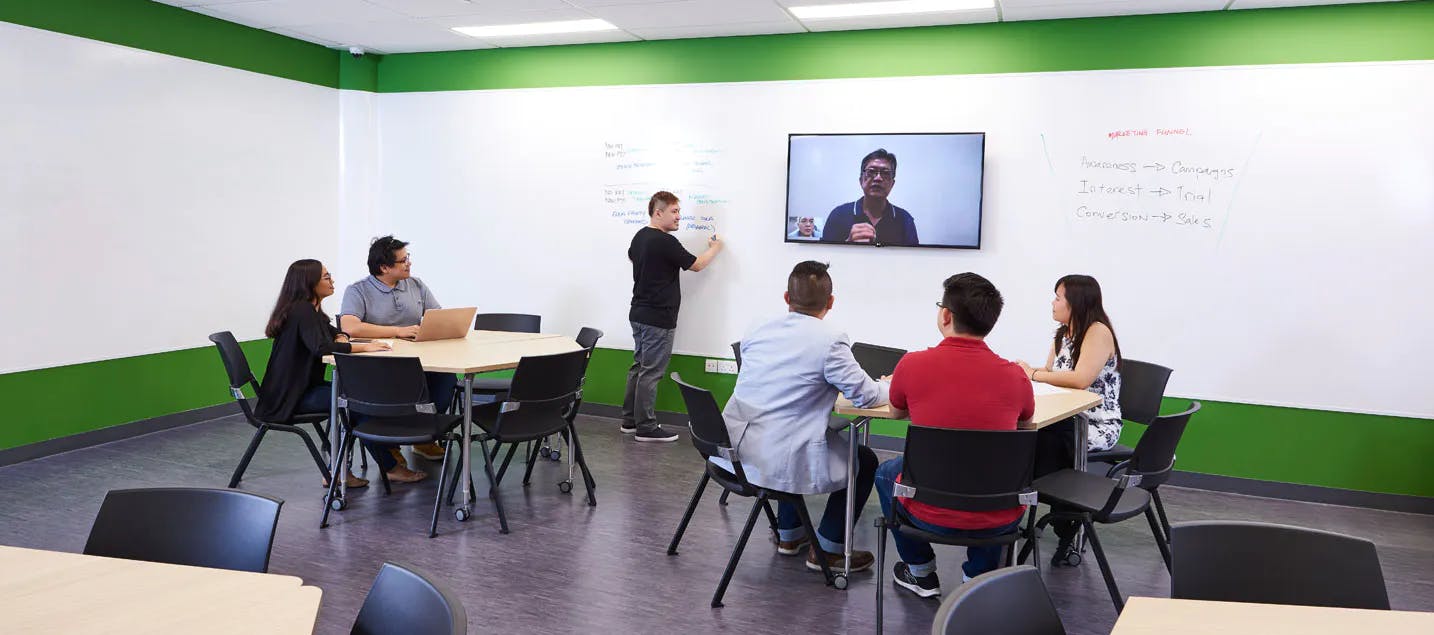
390,303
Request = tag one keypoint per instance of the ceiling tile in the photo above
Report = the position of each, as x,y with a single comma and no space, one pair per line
723,30
898,21
510,17
299,35
1013,10
444,8
391,36
685,13
272,13
592,37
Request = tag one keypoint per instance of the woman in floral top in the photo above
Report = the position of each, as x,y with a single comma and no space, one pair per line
1084,355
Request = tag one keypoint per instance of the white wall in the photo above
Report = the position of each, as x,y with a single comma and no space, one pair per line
148,200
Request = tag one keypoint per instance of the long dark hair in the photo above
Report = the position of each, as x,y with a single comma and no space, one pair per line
1083,298
299,285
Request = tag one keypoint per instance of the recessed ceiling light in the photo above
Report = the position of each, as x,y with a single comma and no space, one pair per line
898,7
536,28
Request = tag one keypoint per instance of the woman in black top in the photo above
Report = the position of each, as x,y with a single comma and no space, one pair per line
294,379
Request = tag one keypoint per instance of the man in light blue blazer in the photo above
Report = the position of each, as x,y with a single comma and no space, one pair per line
792,369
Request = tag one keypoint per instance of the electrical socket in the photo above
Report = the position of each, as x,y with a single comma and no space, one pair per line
712,365
727,367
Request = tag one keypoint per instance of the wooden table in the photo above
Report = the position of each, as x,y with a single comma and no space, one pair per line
479,352
1165,616
1054,405
57,592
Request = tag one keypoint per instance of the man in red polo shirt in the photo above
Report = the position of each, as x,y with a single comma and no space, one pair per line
958,383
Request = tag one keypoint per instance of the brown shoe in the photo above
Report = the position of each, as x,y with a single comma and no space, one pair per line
402,474
430,451
351,482
860,561
792,547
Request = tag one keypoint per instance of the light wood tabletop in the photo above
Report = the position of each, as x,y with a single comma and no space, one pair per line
480,352
1149,616
1050,407
58,592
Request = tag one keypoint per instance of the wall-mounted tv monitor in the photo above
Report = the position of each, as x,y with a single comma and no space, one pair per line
885,190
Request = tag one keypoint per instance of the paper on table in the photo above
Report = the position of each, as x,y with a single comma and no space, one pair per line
1045,389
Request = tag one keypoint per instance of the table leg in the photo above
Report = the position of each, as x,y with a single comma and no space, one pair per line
336,470
852,433
466,482
1082,430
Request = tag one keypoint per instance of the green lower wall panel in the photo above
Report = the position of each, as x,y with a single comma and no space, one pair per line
57,402
1290,445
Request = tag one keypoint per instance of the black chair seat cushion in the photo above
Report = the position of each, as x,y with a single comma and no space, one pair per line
485,416
1116,454
1089,492
904,525
491,384
729,481
414,428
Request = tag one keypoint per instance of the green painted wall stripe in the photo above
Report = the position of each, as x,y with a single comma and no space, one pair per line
358,73
55,402
161,28
1339,33
1311,447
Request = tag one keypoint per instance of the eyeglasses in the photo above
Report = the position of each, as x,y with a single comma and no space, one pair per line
406,260
872,173
943,306
326,276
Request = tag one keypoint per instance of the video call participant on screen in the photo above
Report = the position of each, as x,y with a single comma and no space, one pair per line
805,229
657,259
872,219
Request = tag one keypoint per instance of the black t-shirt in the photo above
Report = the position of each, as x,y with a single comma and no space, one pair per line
656,292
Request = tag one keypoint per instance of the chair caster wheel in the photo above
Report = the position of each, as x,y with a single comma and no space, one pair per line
338,504
839,581
565,487
556,455
545,452
460,514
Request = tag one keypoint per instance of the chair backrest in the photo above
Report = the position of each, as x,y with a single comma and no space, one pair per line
877,361
709,429
970,470
737,354
1009,600
511,322
1230,561
218,528
405,600
543,391
382,386
1154,457
1142,386
588,338
236,366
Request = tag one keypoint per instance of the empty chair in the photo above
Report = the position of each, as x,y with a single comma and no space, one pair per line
1149,457
200,527
490,387
405,600
545,387
968,470
236,365
1142,386
1233,561
587,338
722,464
1010,601
390,394
877,361
1090,498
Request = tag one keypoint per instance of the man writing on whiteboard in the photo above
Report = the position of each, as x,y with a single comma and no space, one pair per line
657,258
872,219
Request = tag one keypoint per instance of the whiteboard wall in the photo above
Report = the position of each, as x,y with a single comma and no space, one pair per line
1277,251
148,200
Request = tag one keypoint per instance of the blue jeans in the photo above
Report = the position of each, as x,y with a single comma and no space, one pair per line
831,535
651,350
917,554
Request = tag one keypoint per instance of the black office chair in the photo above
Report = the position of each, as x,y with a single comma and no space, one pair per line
391,395
1012,600
1171,429
509,322
969,470
199,527
721,463
1142,386
1090,498
877,361
587,338
737,354
1233,561
405,600
540,403
236,365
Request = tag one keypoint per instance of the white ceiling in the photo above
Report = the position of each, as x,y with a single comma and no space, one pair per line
407,26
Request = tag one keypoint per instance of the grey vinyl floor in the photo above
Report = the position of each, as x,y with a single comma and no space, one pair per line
568,568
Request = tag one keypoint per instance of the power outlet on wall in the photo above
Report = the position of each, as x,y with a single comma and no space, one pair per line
722,366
